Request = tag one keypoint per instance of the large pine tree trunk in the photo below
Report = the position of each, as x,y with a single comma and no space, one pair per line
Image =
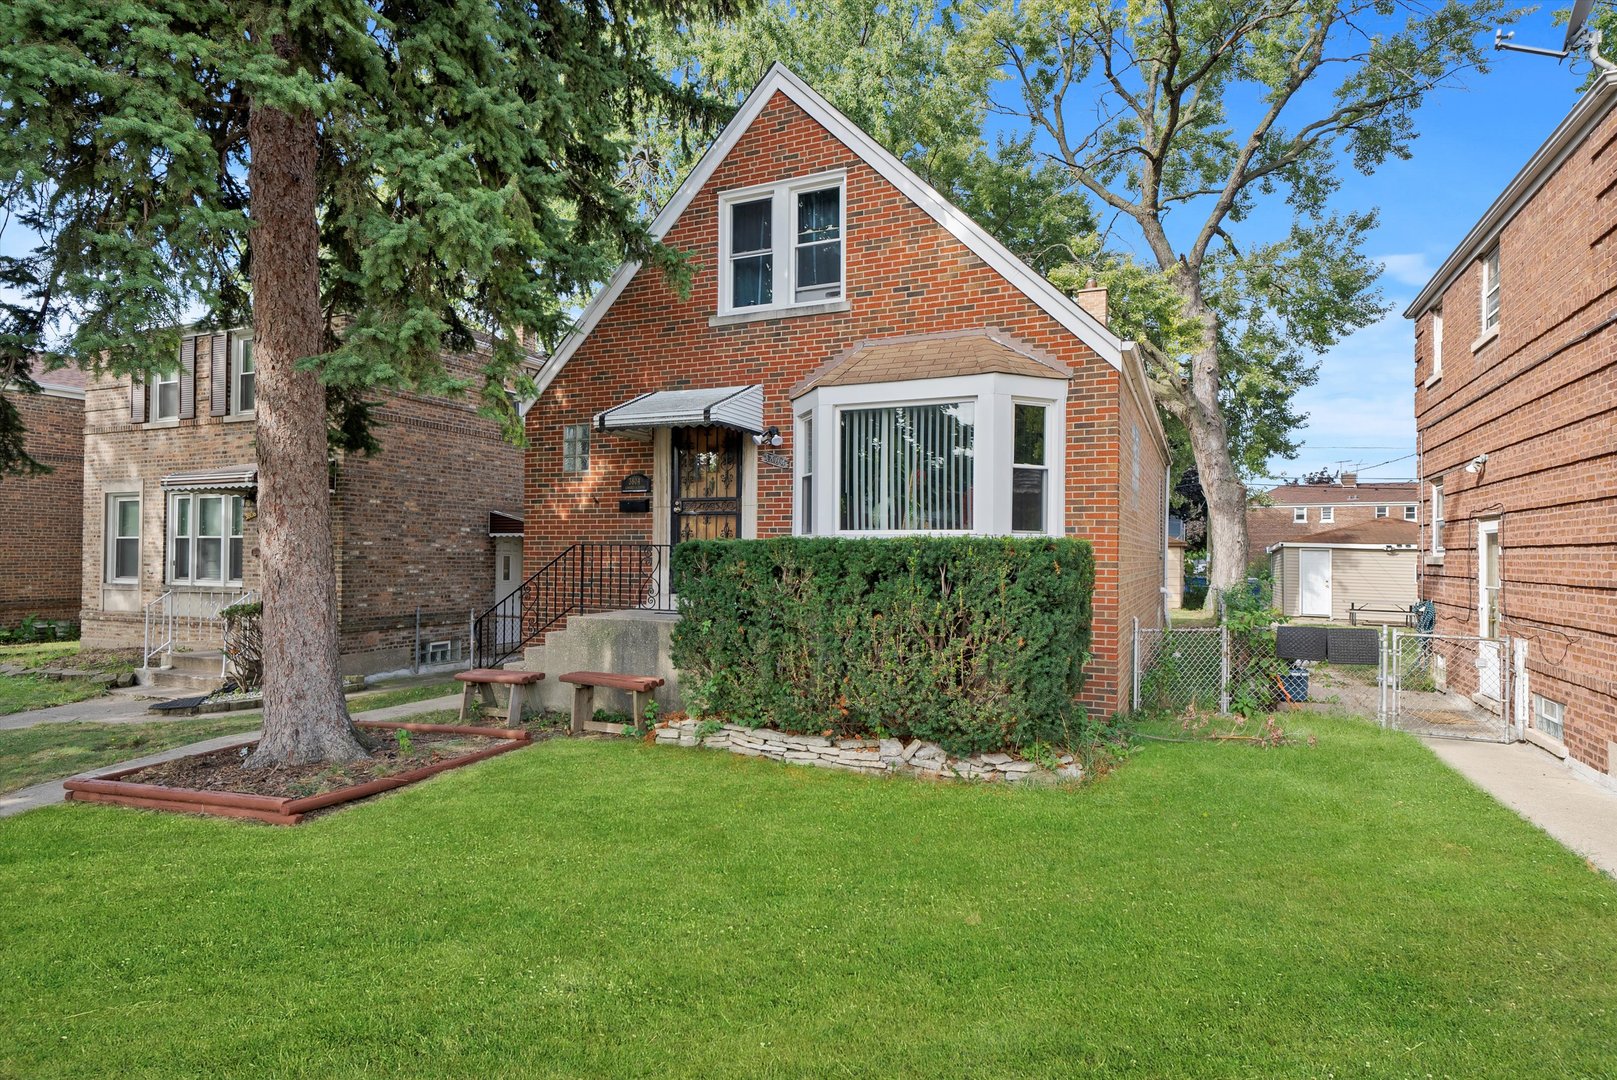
1221,483
305,717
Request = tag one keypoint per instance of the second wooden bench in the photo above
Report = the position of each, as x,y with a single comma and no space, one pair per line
584,684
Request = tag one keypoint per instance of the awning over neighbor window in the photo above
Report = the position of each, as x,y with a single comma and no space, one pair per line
740,407
504,524
238,476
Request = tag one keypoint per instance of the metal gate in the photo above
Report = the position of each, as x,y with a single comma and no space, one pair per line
1451,686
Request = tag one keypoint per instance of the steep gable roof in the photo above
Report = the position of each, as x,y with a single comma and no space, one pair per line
779,79
932,356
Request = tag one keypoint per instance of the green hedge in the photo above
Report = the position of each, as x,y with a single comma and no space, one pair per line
974,643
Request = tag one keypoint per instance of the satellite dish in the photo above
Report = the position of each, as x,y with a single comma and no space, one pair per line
1574,25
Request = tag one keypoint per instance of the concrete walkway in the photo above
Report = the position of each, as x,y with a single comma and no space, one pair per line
1540,788
114,707
51,791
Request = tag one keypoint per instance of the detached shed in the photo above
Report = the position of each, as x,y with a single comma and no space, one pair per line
1372,565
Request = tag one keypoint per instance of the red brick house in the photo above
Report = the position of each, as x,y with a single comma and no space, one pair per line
1516,416
855,357
1298,511
424,529
41,517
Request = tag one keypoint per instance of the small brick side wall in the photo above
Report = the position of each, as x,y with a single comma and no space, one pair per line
41,517
1540,400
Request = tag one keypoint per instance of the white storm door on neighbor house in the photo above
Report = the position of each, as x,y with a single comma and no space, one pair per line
1490,655
1314,582
507,578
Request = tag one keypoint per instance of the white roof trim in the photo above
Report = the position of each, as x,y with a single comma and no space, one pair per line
1566,138
1396,548
1053,301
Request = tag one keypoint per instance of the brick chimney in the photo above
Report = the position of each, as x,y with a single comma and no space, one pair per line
1350,479
1092,298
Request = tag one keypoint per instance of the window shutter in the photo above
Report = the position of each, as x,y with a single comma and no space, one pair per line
219,377
188,378
137,400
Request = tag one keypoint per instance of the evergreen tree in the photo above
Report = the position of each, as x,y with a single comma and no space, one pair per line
372,182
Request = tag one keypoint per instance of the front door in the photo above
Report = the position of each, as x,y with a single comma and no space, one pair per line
707,484
1490,657
507,579
1314,573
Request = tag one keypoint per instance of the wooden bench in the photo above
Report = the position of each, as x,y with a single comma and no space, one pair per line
482,681
584,684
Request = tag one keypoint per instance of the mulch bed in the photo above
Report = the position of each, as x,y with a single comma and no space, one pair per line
216,783
224,770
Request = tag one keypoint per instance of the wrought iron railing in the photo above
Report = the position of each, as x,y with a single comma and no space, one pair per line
187,617
585,578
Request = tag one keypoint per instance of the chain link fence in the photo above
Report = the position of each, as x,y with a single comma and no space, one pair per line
1205,668
1451,686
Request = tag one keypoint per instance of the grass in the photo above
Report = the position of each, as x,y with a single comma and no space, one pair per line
605,908
382,699
19,693
43,752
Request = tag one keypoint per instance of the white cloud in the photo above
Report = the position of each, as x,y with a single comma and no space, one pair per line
1413,269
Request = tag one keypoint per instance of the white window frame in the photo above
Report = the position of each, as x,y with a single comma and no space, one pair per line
240,349
1547,710
1437,347
994,396
1042,466
111,536
803,483
1410,512
1383,512
1490,292
575,449
1327,515
783,241
227,535
160,380
1299,515
1436,490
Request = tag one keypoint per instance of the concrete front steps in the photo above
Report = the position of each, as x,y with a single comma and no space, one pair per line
621,642
199,672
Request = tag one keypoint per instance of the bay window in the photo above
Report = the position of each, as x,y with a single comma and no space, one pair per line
781,246
957,454
205,539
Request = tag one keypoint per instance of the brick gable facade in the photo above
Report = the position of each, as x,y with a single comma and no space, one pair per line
905,275
1538,397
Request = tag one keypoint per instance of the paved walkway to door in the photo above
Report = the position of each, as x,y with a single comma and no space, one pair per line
1540,788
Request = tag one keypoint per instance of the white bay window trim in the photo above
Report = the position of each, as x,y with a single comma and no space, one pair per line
993,399
784,244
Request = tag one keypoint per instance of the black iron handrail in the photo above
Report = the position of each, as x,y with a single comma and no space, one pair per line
586,577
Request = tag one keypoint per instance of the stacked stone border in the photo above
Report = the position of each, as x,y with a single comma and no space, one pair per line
876,757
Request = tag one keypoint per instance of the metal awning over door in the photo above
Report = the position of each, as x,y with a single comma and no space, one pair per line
237,476
739,407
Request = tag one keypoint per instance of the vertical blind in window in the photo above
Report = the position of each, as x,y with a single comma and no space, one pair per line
908,468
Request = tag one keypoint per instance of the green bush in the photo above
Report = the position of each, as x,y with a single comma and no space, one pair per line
974,643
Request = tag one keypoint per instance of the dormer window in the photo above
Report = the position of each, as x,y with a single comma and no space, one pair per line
782,246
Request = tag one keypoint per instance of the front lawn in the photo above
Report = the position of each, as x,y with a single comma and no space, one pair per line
43,752
605,908
20,693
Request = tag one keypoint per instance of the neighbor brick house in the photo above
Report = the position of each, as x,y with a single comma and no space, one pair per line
1298,511
1516,415
855,357
423,530
41,516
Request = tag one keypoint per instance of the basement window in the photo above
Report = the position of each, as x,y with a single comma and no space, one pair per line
1549,717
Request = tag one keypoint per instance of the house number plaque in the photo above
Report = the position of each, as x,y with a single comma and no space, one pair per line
779,461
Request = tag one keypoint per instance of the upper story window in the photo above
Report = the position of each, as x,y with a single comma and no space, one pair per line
166,396
1299,515
782,246
1437,344
1490,289
1327,514
1409,513
1381,511
243,376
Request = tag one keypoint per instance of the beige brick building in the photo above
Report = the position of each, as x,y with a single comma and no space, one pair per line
169,480
41,517
1298,511
1516,414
